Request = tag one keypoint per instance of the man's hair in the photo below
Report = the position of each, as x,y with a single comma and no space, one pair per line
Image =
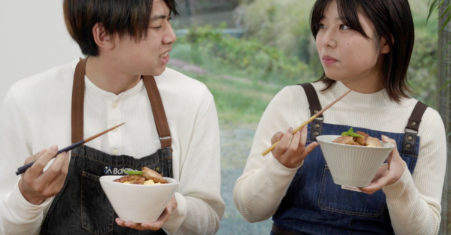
393,21
124,17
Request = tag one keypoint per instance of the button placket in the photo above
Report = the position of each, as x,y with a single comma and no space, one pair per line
115,118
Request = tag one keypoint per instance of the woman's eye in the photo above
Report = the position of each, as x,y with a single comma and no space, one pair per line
321,26
343,26
158,27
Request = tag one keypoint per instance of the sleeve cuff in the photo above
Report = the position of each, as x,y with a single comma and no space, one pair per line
277,168
400,186
178,215
23,210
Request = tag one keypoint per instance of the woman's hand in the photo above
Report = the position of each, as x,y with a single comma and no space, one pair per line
291,150
389,173
152,225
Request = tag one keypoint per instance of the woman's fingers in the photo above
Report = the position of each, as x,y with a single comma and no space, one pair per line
276,137
283,144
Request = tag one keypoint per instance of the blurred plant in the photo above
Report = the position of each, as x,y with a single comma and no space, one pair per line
209,48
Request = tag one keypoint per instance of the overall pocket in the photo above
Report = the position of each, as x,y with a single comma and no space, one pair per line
335,199
97,214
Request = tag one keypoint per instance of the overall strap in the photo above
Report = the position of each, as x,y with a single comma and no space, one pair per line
411,131
314,106
158,111
78,95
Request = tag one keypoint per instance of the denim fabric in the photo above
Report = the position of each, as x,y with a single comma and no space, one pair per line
82,207
315,205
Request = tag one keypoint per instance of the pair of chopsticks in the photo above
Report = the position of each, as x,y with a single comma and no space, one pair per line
306,122
22,169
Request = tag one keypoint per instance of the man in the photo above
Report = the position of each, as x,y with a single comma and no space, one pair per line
171,127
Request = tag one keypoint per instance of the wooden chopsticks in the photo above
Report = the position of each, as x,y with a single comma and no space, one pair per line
307,122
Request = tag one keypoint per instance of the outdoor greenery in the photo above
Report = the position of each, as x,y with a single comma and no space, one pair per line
278,50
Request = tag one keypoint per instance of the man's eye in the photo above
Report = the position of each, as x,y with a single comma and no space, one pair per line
345,27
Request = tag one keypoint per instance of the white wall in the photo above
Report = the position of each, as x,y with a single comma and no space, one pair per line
33,38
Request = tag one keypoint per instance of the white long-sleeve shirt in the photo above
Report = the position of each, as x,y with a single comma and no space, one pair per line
36,114
413,201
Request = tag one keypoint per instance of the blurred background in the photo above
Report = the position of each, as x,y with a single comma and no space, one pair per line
245,51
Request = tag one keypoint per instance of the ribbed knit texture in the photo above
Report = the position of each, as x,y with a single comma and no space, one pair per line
413,201
36,114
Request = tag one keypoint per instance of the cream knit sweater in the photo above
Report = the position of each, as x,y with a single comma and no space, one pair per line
413,201
36,115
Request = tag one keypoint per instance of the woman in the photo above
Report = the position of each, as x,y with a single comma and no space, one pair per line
364,46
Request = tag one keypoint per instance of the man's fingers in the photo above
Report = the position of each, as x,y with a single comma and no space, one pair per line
55,170
34,157
164,217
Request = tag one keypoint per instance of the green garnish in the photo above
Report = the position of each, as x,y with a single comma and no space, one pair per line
350,133
133,172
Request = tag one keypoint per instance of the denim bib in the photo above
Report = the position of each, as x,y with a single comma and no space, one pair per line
314,204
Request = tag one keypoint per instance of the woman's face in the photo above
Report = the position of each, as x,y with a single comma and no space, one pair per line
347,55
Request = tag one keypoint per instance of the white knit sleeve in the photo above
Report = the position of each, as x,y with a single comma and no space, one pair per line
414,200
260,190
17,215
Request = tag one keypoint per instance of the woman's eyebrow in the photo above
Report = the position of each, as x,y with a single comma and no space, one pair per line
158,17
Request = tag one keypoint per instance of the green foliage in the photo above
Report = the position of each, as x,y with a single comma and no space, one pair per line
210,49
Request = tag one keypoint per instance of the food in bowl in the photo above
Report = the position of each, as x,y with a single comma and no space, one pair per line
138,203
358,138
352,165
145,177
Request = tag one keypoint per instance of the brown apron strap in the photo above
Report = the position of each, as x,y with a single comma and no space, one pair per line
78,98
411,131
158,111
78,95
314,106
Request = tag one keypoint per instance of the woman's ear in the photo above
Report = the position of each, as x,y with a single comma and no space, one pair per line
102,38
385,47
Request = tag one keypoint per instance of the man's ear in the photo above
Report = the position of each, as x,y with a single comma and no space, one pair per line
385,48
102,38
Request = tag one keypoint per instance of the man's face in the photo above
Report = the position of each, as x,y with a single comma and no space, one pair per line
150,55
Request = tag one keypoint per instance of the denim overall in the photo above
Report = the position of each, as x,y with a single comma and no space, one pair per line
315,205
82,207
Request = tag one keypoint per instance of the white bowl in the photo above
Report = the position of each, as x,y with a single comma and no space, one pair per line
138,203
352,165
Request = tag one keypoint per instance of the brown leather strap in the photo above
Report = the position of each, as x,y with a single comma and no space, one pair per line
312,98
314,106
78,95
158,111
78,99
411,131
278,231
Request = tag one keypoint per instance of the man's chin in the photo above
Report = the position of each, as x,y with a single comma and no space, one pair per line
157,72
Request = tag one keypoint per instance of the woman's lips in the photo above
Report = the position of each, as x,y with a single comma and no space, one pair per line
165,57
327,60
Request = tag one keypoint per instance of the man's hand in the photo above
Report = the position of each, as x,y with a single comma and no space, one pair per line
290,151
37,185
389,173
152,225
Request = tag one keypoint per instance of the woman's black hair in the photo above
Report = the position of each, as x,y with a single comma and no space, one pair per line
393,21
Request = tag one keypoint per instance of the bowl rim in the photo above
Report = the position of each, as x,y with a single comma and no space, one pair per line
388,145
105,177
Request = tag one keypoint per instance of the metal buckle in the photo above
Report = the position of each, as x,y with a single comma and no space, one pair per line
411,131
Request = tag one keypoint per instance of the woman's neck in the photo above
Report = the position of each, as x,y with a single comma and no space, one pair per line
106,75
